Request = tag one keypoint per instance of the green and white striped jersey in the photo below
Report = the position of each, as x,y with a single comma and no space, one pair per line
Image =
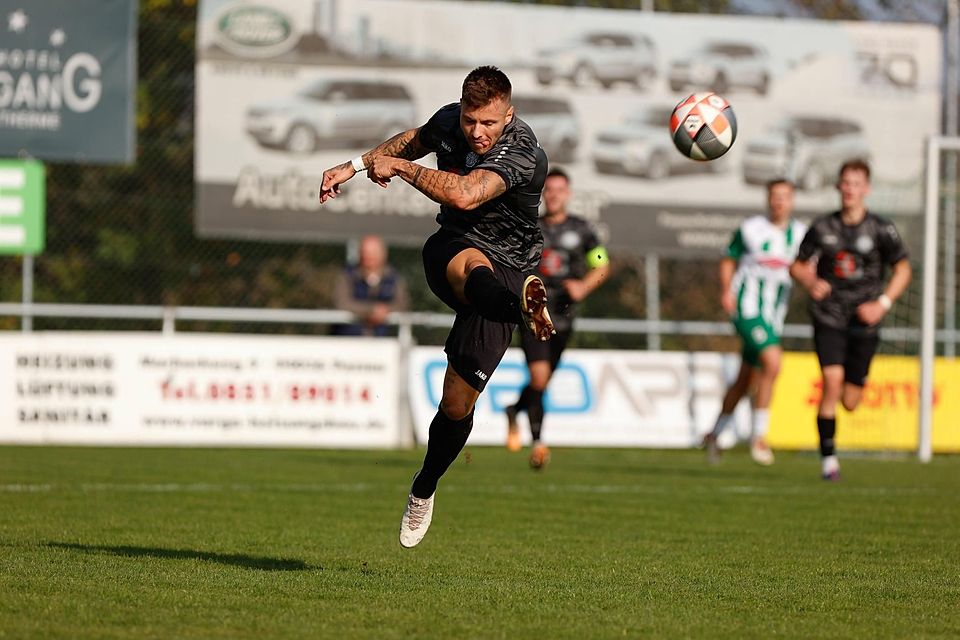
764,253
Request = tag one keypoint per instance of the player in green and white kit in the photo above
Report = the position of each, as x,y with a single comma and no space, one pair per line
755,284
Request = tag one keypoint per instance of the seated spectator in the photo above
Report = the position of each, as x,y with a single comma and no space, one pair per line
370,290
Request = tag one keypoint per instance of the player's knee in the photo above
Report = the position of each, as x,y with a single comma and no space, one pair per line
456,408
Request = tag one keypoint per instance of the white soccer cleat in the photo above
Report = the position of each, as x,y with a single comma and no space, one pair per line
830,468
712,448
760,452
416,520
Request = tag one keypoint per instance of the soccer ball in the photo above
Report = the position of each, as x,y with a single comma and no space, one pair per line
703,126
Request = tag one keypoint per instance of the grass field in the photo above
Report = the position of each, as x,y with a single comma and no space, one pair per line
141,543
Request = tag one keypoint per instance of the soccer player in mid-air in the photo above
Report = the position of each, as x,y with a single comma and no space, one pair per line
574,263
841,264
755,291
490,172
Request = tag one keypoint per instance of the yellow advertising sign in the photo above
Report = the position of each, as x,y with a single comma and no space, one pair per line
887,417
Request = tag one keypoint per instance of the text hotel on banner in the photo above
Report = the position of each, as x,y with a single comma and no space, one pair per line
221,390
67,79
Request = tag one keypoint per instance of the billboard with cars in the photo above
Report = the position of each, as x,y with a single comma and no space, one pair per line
288,88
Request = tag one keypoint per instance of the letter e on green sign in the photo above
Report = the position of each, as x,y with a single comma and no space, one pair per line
22,205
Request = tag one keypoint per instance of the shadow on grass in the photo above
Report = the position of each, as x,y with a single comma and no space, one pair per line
232,559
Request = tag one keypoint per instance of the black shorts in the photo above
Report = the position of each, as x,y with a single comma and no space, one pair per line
853,348
551,350
475,345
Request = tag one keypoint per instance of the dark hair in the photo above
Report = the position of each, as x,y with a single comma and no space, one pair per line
558,173
855,165
483,85
772,183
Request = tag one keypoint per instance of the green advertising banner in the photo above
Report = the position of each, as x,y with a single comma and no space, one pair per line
22,206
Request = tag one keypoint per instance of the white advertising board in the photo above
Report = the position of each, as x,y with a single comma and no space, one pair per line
596,398
217,390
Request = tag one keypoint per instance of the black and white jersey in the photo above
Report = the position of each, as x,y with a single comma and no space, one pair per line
504,228
566,255
852,259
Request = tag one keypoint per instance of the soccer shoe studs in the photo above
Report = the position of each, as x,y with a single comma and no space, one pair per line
533,305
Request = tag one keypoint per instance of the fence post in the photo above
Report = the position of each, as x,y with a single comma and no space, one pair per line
651,268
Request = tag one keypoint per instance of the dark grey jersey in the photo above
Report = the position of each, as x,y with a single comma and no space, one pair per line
565,249
504,228
852,259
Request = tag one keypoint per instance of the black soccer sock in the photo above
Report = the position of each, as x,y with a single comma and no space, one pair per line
523,402
535,413
446,441
490,298
828,429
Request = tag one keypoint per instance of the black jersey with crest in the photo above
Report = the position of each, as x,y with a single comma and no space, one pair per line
852,258
565,248
504,228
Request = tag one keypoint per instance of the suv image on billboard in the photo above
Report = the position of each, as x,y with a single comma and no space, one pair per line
641,146
602,57
332,113
554,123
721,66
805,149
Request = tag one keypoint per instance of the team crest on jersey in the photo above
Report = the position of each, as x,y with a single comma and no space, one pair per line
472,159
864,244
569,240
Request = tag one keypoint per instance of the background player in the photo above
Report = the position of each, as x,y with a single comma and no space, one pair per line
488,182
841,264
574,263
755,290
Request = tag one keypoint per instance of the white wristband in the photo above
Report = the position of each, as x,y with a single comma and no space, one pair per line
885,302
358,164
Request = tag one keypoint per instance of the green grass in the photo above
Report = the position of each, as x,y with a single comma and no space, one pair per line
146,543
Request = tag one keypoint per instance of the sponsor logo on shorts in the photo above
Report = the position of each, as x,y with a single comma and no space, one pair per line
480,374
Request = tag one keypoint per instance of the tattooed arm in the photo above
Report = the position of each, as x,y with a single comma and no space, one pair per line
405,145
460,192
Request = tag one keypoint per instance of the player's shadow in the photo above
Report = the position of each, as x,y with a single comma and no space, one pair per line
232,559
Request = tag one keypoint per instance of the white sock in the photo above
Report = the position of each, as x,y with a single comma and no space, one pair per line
722,421
761,421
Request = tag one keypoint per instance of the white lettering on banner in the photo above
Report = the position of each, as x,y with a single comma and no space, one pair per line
148,389
34,87
294,191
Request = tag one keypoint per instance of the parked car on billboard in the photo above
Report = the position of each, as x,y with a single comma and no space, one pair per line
641,146
806,149
332,112
722,66
554,123
604,57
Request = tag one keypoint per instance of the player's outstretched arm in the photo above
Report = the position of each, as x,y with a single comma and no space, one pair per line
404,145
460,192
728,267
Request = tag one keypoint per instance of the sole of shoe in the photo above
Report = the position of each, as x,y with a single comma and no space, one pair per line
533,304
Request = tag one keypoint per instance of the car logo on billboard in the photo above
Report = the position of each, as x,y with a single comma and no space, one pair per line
255,31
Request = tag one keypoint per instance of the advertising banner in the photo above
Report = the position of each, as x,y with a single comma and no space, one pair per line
22,207
887,417
596,398
67,79
288,88
222,390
